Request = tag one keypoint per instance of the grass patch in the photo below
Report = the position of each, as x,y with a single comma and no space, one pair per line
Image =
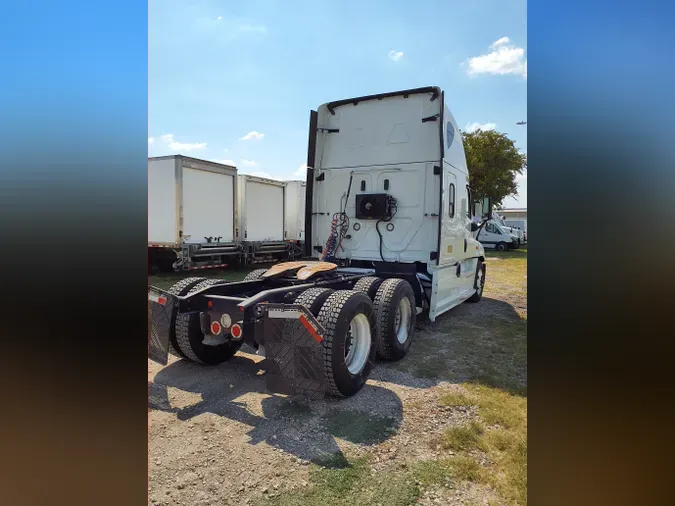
463,437
514,253
504,440
433,472
455,399
497,407
490,349
350,484
466,468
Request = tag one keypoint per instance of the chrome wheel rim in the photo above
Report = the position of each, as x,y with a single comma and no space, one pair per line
402,320
357,344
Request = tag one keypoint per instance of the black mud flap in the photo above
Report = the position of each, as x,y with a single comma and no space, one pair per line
293,351
162,308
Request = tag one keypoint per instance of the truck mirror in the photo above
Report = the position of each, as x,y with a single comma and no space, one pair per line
477,209
486,205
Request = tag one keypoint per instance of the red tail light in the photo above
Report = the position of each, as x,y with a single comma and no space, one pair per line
236,331
215,328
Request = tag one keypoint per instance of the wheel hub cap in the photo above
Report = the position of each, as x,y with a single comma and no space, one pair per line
403,320
357,344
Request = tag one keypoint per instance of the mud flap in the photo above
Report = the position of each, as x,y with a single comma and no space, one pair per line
293,351
162,307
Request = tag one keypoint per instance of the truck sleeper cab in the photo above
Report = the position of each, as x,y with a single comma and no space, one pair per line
389,172
388,233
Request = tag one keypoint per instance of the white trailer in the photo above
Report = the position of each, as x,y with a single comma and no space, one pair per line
295,210
262,218
191,212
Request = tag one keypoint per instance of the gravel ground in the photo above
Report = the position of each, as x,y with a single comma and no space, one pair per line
218,438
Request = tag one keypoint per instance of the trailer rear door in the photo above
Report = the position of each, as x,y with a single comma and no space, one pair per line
264,212
208,205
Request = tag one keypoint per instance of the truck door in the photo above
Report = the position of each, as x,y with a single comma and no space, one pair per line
452,237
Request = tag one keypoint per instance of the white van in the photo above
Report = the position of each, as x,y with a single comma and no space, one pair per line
494,235
508,228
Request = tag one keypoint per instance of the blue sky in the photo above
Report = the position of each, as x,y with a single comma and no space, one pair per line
235,80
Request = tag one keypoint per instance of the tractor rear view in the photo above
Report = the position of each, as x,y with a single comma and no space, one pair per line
389,226
318,327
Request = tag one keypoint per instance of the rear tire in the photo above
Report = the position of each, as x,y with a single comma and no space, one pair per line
349,326
189,336
180,288
313,299
255,275
480,271
368,285
396,317
501,246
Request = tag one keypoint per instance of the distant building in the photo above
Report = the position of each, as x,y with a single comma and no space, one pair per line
516,216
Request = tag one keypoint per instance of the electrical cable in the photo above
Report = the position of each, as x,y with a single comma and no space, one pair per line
339,226
391,202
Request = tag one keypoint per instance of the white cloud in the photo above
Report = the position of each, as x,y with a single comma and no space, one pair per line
256,136
498,42
505,58
151,140
219,18
301,171
174,145
395,55
472,127
249,163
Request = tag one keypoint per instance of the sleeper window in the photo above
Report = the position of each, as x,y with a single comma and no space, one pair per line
451,201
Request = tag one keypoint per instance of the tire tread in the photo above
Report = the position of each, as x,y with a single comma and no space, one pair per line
328,318
184,323
255,275
180,288
368,285
383,311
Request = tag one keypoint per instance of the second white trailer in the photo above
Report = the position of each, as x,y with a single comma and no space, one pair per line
295,210
261,209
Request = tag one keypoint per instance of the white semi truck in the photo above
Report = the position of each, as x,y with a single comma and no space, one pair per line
389,234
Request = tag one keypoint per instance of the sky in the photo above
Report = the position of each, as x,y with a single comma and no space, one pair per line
234,81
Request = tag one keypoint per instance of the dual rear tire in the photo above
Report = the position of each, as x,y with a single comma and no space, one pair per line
377,318
185,339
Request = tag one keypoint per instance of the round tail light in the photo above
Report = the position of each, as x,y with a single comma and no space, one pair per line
236,331
215,328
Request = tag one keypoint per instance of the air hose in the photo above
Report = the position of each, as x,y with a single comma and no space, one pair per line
339,227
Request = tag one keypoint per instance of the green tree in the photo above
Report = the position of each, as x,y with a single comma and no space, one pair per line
494,162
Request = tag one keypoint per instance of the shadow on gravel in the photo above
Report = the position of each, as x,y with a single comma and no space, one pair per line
483,343
304,428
